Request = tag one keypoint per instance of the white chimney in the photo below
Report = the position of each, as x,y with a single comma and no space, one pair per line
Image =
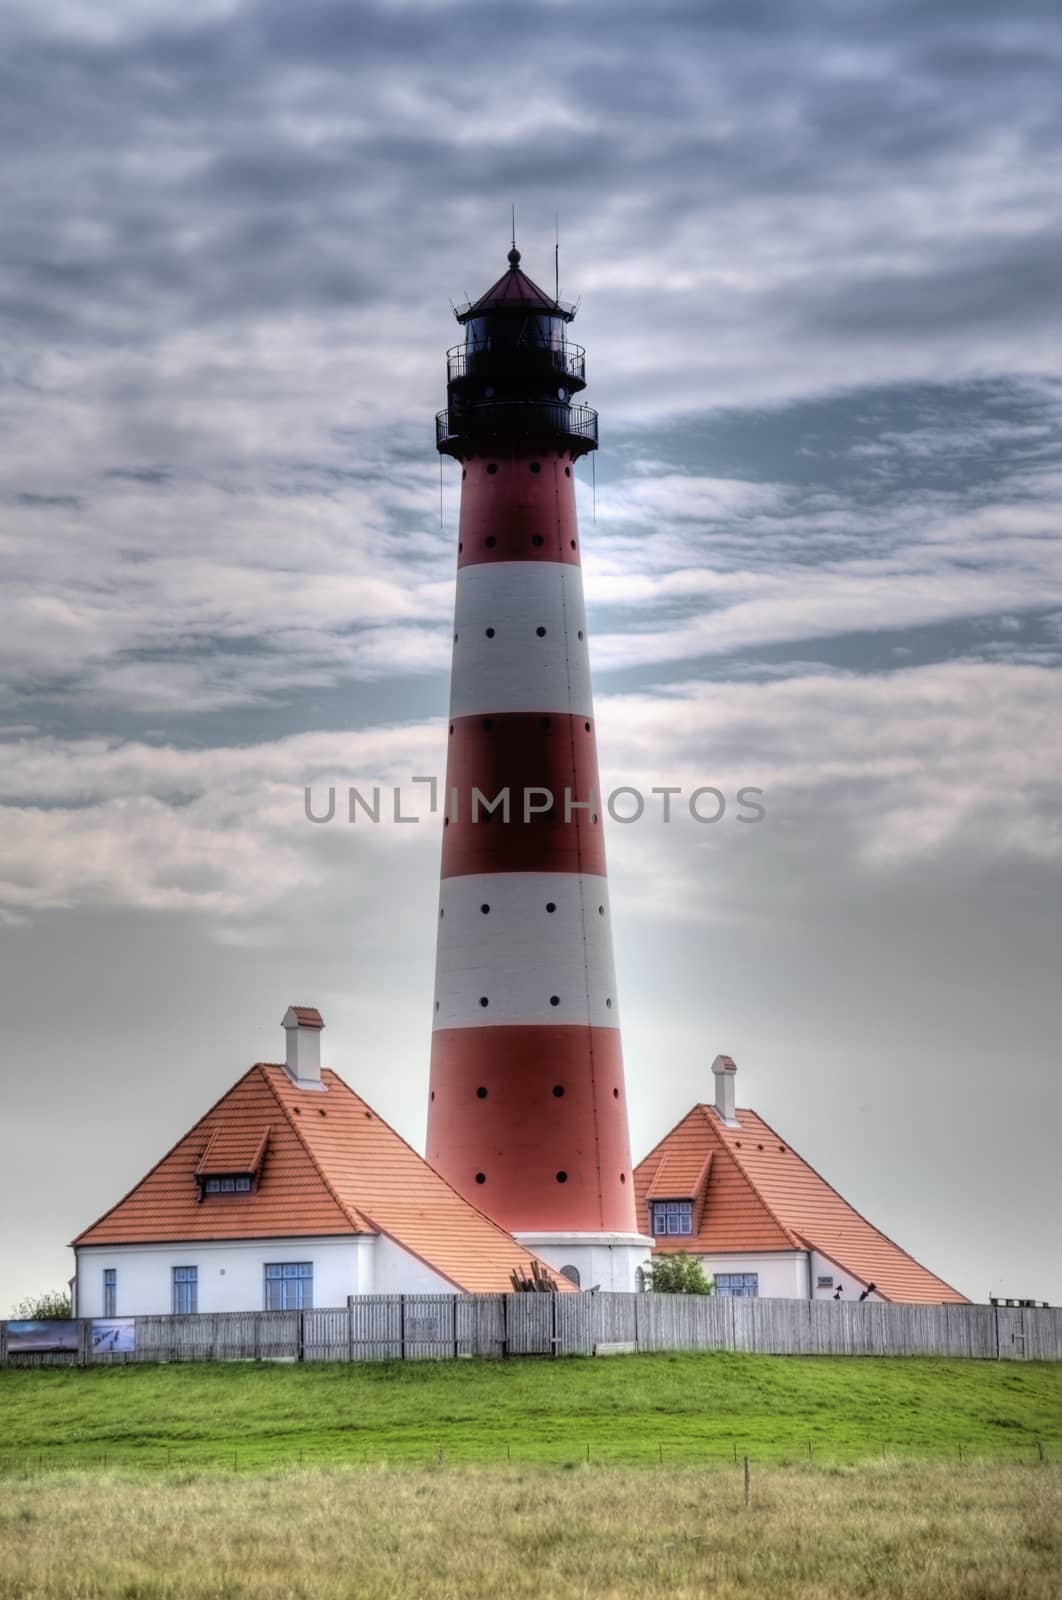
725,1071
303,1025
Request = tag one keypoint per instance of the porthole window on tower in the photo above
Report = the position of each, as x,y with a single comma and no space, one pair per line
551,906
554,999
536,466
490,635
481,1177
486,909
537,540
541,632
481,1094
562,1177
490,541
558,1091
567,472
492,467
483,1000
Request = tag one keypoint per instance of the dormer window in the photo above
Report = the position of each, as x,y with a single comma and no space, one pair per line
232,1161
234,1183
672,1217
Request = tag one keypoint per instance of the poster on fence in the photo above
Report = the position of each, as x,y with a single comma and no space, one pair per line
113,1336
41,1338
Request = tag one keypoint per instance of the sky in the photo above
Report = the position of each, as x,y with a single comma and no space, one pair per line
816,253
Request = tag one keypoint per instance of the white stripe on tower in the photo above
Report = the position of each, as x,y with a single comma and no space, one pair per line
520,640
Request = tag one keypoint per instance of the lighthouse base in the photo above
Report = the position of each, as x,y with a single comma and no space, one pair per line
606,1261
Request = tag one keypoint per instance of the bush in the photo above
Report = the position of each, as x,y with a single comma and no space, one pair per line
52,1306
679,1273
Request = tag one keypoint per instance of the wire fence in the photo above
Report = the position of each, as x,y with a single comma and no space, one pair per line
810,1454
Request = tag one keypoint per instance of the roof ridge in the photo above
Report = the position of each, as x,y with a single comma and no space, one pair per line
352,1214
856,1212
723,1145
164,1157
445,1182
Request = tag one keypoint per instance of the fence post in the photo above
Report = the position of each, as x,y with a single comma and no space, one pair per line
301,1334
453,1312
402,1327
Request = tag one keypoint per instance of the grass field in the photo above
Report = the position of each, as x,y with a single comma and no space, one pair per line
667,1409
920,1532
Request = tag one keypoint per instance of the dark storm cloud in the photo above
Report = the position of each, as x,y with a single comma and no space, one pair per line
295,158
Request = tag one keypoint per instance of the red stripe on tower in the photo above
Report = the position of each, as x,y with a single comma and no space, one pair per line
528,1113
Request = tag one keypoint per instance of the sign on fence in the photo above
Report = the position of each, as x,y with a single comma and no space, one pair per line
43,1338
113,1336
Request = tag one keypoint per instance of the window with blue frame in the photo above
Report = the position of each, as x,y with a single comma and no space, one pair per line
185,1291
289,1286
110,1291
672,1217
236,1183
738,1285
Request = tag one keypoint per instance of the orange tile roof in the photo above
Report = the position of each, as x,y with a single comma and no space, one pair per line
331,1166
760,1195
232,1149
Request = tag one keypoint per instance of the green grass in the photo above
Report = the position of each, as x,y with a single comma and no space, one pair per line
635,1409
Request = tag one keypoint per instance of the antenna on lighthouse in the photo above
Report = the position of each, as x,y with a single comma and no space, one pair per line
514,224
556,256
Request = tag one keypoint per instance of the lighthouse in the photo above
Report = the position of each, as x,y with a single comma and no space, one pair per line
527,1112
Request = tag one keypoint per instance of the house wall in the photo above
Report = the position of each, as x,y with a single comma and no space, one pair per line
783,1274
851,1286
231,1273
395,1271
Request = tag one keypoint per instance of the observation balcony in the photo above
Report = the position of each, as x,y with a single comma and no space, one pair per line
459,428
566,360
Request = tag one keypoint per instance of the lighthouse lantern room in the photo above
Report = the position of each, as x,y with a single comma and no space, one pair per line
528,1113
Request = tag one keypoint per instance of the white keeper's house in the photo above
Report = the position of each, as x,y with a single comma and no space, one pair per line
724,1187
289,1193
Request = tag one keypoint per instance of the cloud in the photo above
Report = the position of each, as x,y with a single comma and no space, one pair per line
964,759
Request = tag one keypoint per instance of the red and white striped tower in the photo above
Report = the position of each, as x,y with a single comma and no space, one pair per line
527,1113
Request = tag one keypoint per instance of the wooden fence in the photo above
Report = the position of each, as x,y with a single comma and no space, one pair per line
440,1326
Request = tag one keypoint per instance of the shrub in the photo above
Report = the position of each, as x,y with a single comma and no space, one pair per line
52,1306
679,1273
